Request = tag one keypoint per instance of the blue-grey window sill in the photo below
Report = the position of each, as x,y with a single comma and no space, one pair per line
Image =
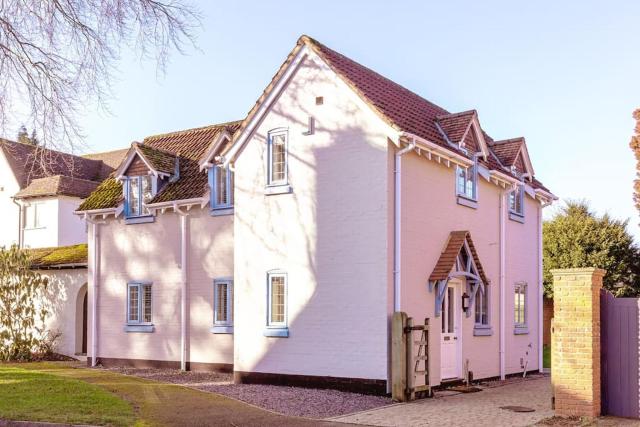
482,331
463,201
140,219
518,330
221,329
272,190
139,328
276,332
516,217
221,211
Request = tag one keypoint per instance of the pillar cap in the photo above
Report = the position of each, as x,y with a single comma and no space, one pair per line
577,271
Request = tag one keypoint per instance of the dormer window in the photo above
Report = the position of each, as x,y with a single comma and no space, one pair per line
221,185
467,181
516,201
139,191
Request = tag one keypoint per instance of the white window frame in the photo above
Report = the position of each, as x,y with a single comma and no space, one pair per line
141,204
520,288
140,289
216,303
270,181
213,183
35,222
517,196
470,172
480,295
271,275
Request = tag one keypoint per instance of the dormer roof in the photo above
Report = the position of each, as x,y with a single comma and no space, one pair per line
513,153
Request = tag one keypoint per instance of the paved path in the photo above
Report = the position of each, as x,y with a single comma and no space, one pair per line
471,409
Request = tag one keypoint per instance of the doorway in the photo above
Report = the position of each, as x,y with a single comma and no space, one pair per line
451,338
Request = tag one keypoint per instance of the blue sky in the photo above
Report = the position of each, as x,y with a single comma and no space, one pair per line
562,74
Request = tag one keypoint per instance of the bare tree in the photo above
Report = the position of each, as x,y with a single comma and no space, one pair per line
58,56
635,147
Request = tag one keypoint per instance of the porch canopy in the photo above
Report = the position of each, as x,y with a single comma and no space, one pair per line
458,259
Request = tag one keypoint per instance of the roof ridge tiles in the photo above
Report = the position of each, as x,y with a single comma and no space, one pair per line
196,129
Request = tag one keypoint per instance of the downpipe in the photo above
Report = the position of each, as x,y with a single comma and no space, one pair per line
397,221
183,286
502,282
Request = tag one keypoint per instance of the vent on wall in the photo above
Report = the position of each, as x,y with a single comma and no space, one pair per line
319,100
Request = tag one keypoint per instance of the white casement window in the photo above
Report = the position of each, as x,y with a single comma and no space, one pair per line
467,181
34,215
139,304
520,305
277,157
221,184
277,299
222,302
482,307
516,200
139,191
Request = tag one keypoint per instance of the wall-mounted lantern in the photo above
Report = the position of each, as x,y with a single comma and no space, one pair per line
465,301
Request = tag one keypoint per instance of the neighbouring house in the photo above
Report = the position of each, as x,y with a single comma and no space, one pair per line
280,246
40,189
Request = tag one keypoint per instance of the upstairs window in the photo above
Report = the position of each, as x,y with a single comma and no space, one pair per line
139,191
139,304
221,184
277,158
466,182
34,216
516,201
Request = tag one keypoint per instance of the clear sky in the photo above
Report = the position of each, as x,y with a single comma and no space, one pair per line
564,74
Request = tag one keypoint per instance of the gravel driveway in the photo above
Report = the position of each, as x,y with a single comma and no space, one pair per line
293,401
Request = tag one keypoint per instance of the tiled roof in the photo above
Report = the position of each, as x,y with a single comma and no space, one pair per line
58,185
75,255
507,150
188,146
456,125
110,161
449,254
159,160
29,162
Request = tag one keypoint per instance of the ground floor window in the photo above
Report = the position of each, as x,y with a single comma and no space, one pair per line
139,303
482,307
223,302
520,305
277,304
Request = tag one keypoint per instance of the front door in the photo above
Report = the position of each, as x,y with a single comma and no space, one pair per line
450,345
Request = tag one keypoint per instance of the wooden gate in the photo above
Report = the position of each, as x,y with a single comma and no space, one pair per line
619,359
409,368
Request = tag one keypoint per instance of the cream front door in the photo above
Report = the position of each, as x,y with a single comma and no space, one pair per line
450,345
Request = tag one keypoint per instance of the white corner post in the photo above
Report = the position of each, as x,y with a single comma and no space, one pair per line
184,251
95,277
397,222
540,293
503,214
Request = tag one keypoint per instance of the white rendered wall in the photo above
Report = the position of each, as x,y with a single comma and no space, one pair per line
9,227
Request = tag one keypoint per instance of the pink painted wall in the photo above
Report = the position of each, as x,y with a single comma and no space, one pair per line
151,253
429,213
329,235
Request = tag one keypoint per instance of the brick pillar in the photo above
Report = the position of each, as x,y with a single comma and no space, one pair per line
575,358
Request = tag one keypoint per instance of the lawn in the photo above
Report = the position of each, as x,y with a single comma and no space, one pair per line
67,392
546,356
38,395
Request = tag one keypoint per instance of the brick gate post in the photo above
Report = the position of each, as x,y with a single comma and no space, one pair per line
575,358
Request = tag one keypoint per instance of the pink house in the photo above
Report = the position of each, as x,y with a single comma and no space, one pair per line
280,246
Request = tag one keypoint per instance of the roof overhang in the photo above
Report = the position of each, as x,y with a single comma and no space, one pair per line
435,152
210,156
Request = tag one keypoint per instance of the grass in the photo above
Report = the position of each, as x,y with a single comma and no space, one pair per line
65,392
37,395
546,356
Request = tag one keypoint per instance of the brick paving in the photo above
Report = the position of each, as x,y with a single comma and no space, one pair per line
471,409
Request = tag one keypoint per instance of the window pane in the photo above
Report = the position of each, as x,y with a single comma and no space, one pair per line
146,303
134,197
461,180
485,310
146,191
512,200
133,304
277,299
278,158
222,191
450,309
222,314
478,306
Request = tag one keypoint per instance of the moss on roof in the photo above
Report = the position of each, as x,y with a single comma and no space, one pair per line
107,195
59,256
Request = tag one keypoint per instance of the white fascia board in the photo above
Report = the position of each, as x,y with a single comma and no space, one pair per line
437,150
174,203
